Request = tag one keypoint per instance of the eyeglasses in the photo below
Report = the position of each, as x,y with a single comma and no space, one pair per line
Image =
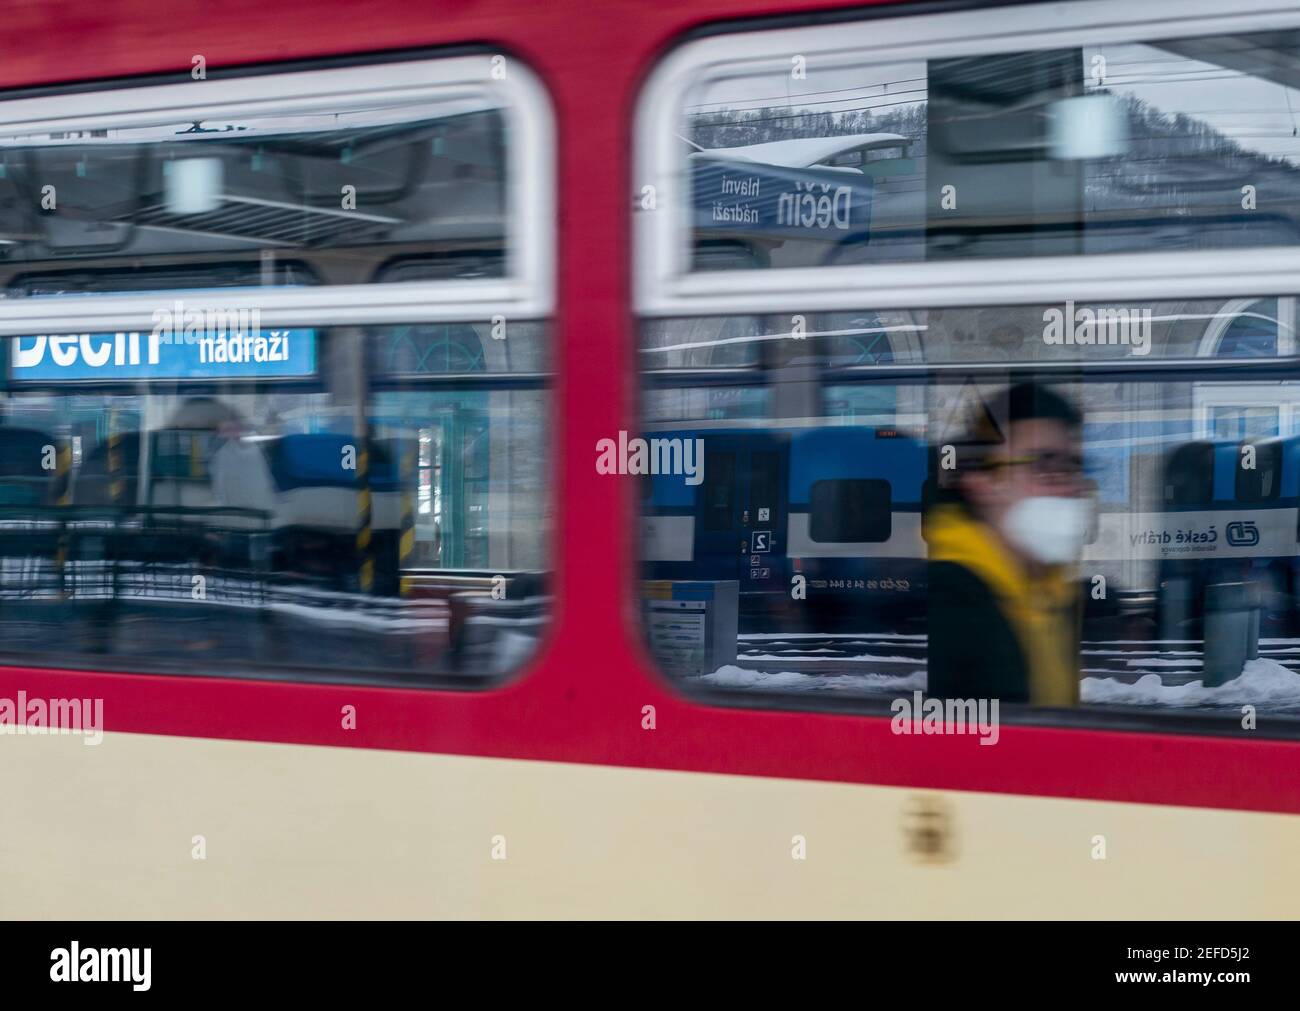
1048,463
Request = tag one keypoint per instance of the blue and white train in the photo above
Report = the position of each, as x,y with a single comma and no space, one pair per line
843,507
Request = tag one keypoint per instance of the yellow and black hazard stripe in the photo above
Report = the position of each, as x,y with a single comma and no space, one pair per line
63,473
63,485
406,543
116,480
365,520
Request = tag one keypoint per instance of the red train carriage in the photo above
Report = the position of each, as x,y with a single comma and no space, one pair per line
372,633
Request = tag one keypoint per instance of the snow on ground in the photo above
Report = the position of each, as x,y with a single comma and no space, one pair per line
1114,675
843,635
857,658
1159,642
1262,682
789,681
1139,652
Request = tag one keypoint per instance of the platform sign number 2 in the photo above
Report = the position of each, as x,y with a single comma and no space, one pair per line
762,542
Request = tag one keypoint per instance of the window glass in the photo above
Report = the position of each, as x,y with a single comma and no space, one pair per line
846,573
1066,331
1173,144
375,183
849,510
328,523
254,431
719,488
1262,481
1035,420
1189,474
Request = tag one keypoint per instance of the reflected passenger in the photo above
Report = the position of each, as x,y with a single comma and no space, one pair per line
1005,606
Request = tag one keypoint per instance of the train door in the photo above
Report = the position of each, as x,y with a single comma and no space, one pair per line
452,483
741,513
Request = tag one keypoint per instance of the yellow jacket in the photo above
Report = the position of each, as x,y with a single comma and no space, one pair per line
1043,612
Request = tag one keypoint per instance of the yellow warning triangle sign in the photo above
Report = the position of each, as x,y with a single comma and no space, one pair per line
970,420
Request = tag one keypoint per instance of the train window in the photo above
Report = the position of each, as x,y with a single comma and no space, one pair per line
838,593
854,342
360,527
927,150
849,511
1249,338
414,171
1261,481
1245,421
719,490
256,182
1001,291
1189,475
276,375
764,479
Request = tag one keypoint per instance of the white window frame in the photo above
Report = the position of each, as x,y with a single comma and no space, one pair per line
664,285
1280,394
526,292
1208,396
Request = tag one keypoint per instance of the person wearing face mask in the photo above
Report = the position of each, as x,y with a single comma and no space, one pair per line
1005,604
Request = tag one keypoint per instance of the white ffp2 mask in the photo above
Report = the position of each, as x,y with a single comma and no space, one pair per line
1049,528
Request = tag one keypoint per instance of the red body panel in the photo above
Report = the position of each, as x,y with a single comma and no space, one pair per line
581,700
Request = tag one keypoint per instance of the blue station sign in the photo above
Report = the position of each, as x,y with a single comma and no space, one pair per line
251,353
748,197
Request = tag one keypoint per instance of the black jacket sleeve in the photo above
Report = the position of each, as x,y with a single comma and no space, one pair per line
973,651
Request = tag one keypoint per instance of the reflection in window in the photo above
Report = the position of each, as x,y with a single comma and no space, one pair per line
446,347
1154,146
344,522
1186,487
403,180
1245,422
1252,336
850,510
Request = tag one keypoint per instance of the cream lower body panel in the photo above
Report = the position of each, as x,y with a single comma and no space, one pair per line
308,832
